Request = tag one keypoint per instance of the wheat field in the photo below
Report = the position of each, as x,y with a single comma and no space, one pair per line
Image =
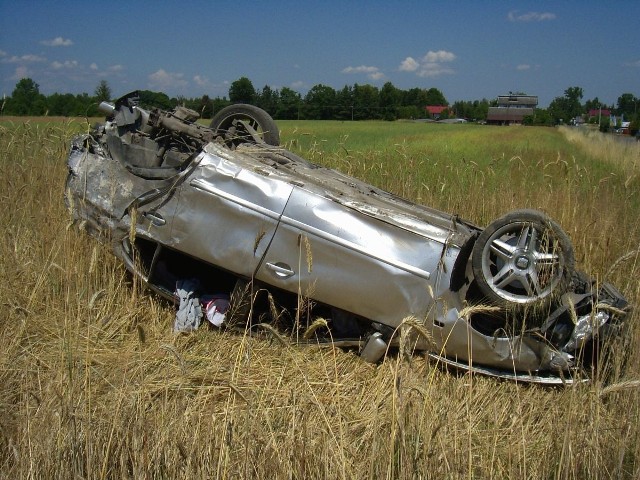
94,383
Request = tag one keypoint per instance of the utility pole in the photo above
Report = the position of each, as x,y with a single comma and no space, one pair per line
599,116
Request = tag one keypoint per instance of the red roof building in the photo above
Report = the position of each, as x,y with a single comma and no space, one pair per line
435,111
596,112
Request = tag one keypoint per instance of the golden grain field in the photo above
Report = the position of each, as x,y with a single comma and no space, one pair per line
94,383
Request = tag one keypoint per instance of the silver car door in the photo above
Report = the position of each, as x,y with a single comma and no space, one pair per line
228,211
339,256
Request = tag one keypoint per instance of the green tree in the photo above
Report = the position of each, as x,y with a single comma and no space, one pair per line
558,110
627,105
390,100
267,99
540,116
26,99
593,104
435,97
416,97
574,96
410,112
414,102
63,104
365,101
566,108
149,99
472,110
191,103
205,107
86,106
344,102
605,124
242,91
289,104
102,92
480,109
320,102
634,125
219,104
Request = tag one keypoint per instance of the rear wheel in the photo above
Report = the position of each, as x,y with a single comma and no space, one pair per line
523,259
243,123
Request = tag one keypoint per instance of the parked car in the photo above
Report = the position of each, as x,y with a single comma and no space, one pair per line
289,242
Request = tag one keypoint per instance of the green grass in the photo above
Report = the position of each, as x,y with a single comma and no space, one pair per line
94,384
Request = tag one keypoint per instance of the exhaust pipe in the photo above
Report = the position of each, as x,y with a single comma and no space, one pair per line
107,108
374,349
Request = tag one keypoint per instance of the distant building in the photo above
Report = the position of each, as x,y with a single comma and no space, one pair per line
599,113
512,109
436,111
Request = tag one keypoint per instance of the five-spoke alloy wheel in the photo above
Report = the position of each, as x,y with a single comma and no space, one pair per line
522,259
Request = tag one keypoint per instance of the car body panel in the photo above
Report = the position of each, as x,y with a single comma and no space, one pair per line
234,209
317,238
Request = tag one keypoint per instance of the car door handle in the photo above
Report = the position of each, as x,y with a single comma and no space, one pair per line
155,218
282,270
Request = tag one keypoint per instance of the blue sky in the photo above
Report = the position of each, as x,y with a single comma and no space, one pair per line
468,49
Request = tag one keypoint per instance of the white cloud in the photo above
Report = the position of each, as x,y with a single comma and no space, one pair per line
633,64
434,70
23,59
201,81
432,64
163,79
439,56
409,65
360,69
20,73
115,68
93,66
32,58
523,66
67,64
209,87
57,42
514,16
372,73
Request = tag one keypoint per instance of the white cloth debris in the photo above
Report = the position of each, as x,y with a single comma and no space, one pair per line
189,314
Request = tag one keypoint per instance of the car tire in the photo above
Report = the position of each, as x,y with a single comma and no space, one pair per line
523,259
225,122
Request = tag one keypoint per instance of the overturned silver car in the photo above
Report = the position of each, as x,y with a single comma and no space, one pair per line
290,242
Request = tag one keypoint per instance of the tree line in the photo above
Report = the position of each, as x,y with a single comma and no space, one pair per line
321,102
569,109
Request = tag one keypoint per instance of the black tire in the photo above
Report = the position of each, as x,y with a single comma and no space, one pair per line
523,259
231,123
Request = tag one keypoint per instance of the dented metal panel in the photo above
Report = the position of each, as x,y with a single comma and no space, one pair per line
317,238
227,214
